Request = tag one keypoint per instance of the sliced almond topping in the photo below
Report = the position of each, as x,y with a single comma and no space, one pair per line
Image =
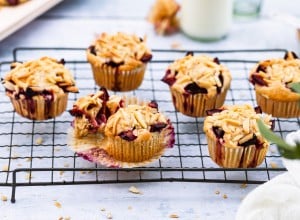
245,139
134,190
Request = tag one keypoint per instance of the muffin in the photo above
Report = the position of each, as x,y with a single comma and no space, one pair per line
119,131
197,83
138,133
119,61
271,79
233,137
39,89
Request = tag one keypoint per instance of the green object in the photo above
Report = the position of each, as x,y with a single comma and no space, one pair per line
286,150
295,86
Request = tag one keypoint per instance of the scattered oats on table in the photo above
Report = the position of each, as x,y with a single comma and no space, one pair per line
134,190
217,192
273,165
244,185
39,140
109,216
173,216
57,204
102,209
225,196
5,168
3,198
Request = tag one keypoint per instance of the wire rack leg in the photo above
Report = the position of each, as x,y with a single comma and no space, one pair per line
13,187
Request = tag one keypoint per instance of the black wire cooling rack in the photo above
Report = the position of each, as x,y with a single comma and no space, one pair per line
35,152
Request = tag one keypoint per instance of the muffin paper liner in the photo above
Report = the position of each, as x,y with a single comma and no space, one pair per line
114,79
197,104
238,157
39,109
278,108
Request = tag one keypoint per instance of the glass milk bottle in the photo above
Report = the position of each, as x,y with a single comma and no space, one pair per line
206,20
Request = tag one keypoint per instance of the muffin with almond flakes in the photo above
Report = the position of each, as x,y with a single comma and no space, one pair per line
197,83
39,89
119,61
119,131
272,80
233,137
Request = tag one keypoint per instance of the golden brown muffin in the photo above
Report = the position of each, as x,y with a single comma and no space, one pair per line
233,137
119,61
197,83
39,89
271,79
119,131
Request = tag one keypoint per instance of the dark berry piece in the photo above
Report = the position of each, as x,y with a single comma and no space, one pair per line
128,135
105,95
213,111
290,55
62,61
114,64
261,68
216,60
257,79
258,110
153,104
93,50
252,141
146,57
193,88
190,53
168,78
157,127
218,132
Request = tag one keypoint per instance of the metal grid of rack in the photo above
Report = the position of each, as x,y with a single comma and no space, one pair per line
35,152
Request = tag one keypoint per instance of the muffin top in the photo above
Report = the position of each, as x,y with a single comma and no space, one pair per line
197,74
236,125
135,122
272,77
38,76
119,50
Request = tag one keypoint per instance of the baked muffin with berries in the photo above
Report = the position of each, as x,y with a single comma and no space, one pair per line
39,89
119,61
272,80
233,137
197,83
138,133
119,131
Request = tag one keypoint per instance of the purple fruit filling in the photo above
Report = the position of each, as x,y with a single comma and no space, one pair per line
93,50
257,110
210,112
62,61
257,79
105,95
252,141
169,78
114,64
157,127
193,88
287,54
216,60
261,68
128,135
218,132
12,2
146,57
153,104
219,89
191,53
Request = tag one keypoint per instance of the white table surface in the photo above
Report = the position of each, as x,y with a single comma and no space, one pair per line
74,23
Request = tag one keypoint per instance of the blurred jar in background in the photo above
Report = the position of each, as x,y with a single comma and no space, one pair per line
206,20
247,8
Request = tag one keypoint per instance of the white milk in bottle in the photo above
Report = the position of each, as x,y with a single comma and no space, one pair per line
206,20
